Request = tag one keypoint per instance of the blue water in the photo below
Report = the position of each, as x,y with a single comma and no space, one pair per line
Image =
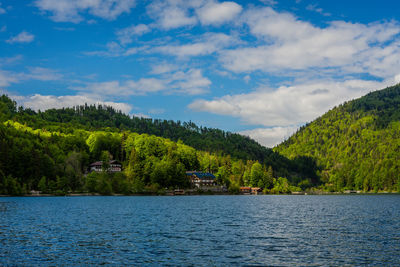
201,230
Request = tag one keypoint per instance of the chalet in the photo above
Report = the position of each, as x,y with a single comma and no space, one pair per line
201,179
114,166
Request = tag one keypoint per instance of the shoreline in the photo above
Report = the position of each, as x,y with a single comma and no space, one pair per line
204,194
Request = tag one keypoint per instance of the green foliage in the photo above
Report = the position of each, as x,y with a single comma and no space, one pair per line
282,186
234,189
356,145
42,185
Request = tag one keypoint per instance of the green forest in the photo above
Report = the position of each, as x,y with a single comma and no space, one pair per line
51,152
356,145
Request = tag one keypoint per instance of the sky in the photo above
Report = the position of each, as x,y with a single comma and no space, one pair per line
261,68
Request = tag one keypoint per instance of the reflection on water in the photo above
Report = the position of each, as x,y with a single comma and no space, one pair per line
201,230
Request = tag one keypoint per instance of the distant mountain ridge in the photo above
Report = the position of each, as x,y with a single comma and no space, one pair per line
356,145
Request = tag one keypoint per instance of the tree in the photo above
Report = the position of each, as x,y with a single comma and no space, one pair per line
256,174
43,184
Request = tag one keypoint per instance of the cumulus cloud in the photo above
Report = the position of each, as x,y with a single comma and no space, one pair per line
287,43
190,82
23,37
72,10
287,105
217,13
171,14
269,137
397,78
125,35
43,102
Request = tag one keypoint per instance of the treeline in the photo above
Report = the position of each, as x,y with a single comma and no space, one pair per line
95,117
356,144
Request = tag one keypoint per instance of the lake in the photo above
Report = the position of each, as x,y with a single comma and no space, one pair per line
201,230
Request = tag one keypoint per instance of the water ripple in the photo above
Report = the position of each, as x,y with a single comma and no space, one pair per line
201,231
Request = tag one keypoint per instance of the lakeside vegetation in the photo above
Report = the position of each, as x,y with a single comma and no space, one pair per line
39,153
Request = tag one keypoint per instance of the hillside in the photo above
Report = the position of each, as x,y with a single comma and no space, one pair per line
357,145
91,117
51,151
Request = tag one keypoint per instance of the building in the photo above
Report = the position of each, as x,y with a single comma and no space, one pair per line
256,190
246,190
114,166
201,179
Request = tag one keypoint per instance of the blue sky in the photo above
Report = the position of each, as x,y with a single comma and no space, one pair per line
260,68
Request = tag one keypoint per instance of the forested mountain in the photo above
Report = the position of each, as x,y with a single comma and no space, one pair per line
95,117
357,145
51,152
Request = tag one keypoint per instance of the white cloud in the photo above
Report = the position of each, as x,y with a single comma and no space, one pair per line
125,35
43,102
190,82
163,67
217,13
397,78
2,10
288,105
207,44
113,49
287,43
23,37
317,9
34,73
73,10
10,60
7,78
43,74
141,115
172,14
269,137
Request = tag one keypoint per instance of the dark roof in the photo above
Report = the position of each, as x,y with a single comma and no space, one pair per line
97,163
100,163
201,175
